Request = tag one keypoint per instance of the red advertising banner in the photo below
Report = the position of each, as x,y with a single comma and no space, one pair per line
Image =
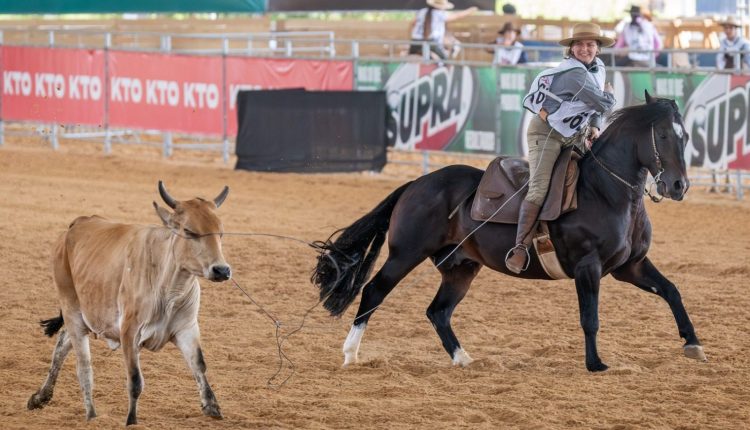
64,86
262,73
165,92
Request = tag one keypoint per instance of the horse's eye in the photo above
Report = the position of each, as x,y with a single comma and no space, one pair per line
663,136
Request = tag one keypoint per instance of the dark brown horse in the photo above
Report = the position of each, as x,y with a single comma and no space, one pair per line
609,233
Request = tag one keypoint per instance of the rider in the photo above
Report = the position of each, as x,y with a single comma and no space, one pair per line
568,101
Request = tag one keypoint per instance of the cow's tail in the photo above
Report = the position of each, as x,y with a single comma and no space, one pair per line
344,264
52,325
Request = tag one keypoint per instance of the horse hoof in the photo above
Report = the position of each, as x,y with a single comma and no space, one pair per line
461,358
597,367
38,401
695,352
213,411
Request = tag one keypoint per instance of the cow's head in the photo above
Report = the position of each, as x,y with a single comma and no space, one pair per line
198,248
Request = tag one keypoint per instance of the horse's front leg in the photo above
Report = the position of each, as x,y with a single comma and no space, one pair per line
645,276
588,273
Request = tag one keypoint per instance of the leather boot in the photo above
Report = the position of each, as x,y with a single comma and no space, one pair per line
516,260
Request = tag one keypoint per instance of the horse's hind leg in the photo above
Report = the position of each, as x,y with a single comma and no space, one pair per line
647,277
44,395
456,282
373,294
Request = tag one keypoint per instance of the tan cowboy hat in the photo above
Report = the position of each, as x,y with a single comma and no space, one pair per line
730,22
440,4
587,30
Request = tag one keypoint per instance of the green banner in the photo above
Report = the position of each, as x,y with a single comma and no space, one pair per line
479,109
434,107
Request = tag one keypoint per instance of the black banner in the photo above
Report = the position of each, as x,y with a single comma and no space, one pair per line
311,131
323,5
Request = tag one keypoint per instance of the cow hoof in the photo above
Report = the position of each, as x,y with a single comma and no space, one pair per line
597,367
213,411
695,352
38,401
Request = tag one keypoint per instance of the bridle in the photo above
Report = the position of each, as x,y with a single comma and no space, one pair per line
657,177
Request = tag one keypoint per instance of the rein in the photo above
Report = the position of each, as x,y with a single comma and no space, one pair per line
657,178
280,339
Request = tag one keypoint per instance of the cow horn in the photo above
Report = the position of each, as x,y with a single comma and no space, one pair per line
165,196
222,195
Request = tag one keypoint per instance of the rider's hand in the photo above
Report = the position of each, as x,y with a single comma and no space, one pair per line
608,88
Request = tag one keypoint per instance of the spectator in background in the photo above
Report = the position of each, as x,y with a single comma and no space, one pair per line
638,35
509,50
730,45
429,26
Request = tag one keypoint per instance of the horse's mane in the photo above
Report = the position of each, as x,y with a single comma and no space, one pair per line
635,119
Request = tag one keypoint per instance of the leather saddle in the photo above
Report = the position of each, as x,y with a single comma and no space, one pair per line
506,175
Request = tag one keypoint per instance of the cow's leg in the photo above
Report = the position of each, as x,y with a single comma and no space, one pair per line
79,338
131,352
44,395
645,276
456,282
188,341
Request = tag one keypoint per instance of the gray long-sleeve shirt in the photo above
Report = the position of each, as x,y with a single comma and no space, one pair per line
568,85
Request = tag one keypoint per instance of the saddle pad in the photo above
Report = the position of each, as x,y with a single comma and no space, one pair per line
505,175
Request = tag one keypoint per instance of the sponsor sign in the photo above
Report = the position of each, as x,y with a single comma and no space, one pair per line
64,86
717,119
165,92
245,73
435,107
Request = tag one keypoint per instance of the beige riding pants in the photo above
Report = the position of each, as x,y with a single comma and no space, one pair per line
545,145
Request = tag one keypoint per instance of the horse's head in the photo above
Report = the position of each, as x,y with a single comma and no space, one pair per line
663,152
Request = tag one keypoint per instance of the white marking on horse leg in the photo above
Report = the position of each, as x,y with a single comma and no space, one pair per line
695,352
85,373
351,344
461,358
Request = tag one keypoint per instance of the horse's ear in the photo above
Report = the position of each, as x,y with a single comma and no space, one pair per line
649,99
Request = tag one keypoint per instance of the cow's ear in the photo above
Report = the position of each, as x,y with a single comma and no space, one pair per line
164,215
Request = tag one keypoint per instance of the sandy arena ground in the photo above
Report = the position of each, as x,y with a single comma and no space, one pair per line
525,336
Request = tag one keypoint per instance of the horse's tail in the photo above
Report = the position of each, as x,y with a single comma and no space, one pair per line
345,264
52,325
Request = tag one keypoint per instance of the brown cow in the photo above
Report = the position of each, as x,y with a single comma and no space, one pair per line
135,286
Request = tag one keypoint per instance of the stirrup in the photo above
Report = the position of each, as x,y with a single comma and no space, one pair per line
525,249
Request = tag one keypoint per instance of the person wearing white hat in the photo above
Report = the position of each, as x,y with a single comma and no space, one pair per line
732,46
568,101
641,37
429,26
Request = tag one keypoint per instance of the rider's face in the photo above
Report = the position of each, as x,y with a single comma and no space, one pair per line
584,50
